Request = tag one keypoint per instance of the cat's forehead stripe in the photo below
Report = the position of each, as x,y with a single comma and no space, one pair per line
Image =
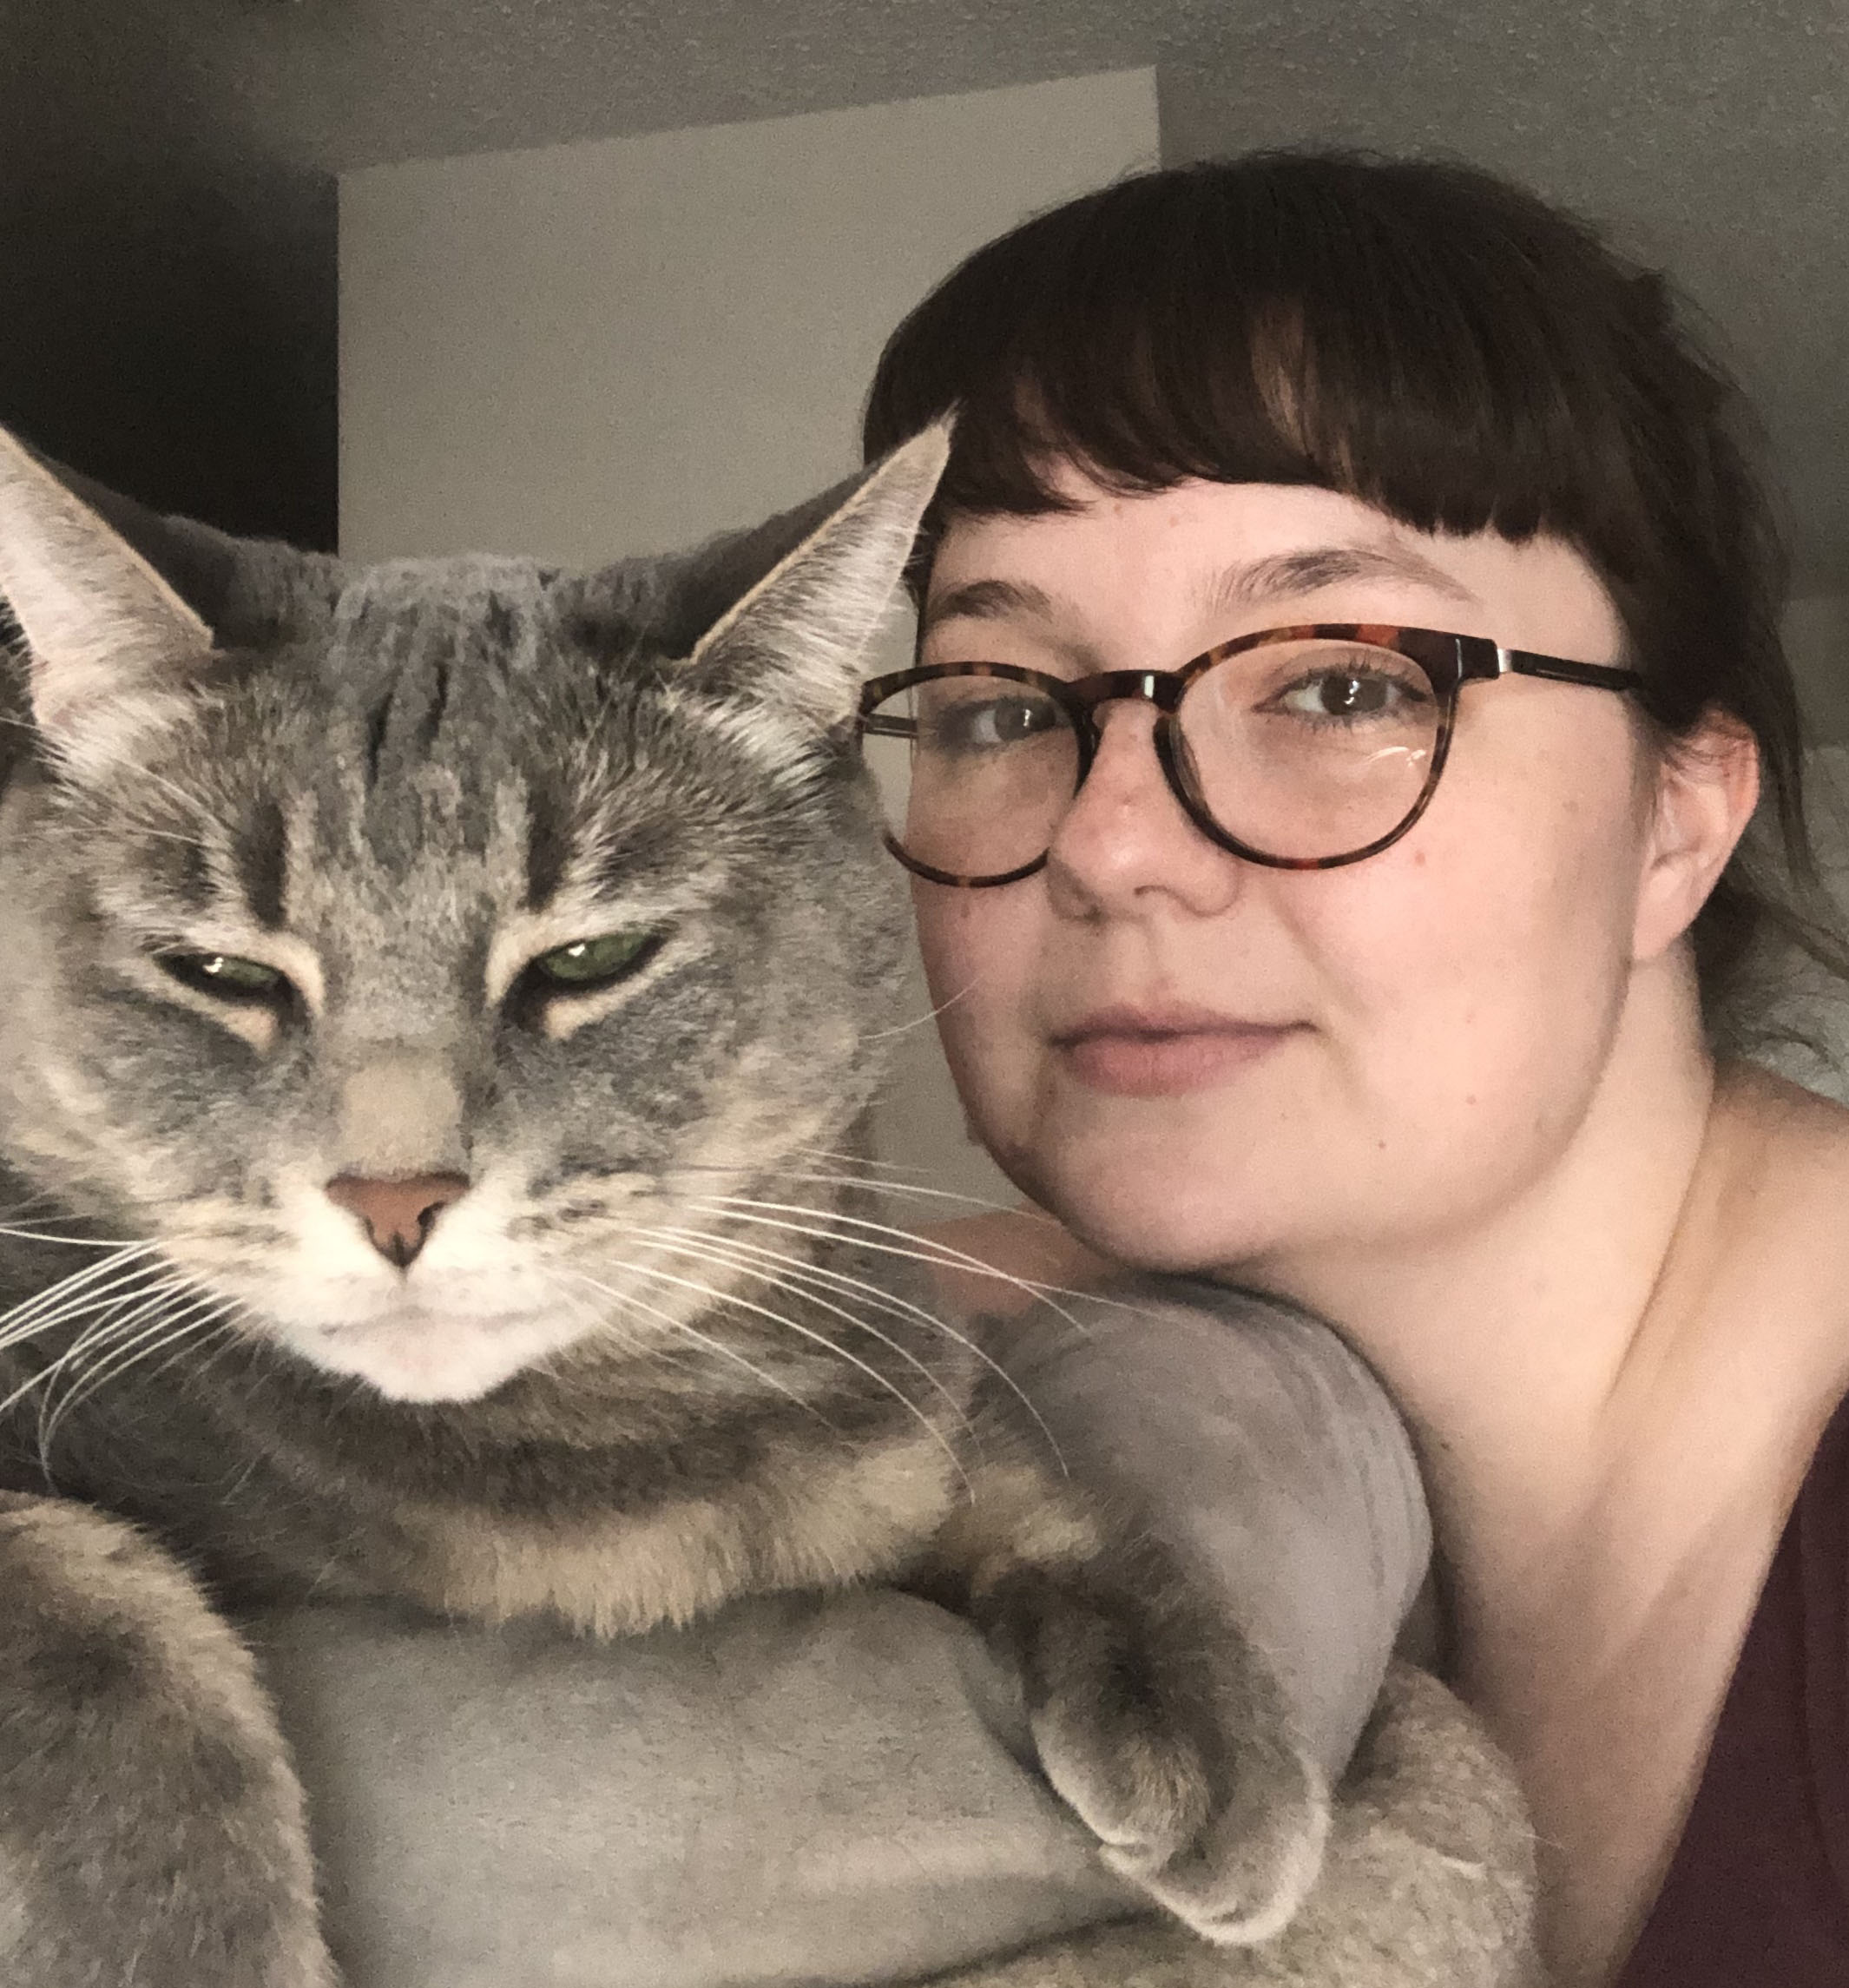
426,657
261,857
547,846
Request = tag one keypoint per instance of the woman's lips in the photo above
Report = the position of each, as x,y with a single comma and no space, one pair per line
1162,1053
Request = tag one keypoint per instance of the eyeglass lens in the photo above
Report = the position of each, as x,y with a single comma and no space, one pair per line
1301,750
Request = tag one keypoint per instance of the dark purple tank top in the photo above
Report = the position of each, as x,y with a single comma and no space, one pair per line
1757,1891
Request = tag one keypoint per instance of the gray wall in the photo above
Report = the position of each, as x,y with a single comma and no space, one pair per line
620,346
1817,640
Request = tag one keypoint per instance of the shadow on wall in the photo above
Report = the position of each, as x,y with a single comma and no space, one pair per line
178,349
1817,640
171,286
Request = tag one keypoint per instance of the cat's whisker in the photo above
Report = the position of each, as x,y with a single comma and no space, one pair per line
122,1325
599,1319
73,1296
98,1304
634,1302
809,1274
38,1198
856,1168
189,804
46,1377
116,1318
784,1273
155,834
848,1160
168,1330
17,1233
856,1159
17,1217
925,1020
951,1257
224,1332
739,1302
124,1320
867,1234
118,1257
683,1329
915,1189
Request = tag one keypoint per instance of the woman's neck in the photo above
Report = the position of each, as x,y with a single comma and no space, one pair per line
1614,1386
1508,1339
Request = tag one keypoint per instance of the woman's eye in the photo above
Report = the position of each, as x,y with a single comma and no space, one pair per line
227,977
588,963
1347,694
983,724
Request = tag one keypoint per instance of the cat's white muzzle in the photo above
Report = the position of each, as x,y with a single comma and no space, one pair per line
412,1353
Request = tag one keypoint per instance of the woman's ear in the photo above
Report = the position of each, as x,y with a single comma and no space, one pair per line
1707,787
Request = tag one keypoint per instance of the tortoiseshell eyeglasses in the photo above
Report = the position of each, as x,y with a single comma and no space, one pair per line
1302,748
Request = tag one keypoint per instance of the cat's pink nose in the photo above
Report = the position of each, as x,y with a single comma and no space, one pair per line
398,1215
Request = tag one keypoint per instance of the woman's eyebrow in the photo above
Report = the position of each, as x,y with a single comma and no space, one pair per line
985,601
1248,584
1288,574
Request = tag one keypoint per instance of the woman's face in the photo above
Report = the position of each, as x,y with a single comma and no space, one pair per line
1195,1061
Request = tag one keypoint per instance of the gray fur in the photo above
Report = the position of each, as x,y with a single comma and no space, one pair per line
1428,1881
649,1360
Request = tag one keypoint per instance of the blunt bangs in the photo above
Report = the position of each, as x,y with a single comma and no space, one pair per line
1424,337
1432,339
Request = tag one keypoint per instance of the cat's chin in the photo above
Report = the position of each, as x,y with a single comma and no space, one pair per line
432,1359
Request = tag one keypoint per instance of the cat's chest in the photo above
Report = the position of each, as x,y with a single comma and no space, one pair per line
820,1520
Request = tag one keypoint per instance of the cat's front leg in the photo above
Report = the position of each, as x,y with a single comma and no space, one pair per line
151,1826
1428,1881
1152,1714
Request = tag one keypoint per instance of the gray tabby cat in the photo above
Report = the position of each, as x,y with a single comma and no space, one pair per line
426,994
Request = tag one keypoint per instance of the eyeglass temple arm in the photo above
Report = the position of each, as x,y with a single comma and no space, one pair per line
1558,670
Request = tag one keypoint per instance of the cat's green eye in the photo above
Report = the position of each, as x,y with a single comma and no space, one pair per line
595,962
226,975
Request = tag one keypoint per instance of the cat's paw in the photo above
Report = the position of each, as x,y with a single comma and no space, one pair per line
152,1830
1168,1740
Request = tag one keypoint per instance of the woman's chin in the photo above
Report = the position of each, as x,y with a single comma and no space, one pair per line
1148,1217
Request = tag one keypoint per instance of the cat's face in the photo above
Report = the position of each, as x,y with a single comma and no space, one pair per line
467,875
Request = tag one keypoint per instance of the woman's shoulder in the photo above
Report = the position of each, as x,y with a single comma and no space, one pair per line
1774,1099
1785,1262
1793,1141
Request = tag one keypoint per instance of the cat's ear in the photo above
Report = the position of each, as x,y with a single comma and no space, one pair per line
797,636
250,592
200,564
108,641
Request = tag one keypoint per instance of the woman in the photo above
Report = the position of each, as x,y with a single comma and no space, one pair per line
1249,988
1434,1058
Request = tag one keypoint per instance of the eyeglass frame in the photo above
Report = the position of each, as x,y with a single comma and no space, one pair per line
1449,662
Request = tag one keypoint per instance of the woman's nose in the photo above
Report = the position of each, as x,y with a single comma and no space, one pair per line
1126,835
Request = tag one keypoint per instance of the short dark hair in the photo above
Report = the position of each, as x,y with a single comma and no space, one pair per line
1431,339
